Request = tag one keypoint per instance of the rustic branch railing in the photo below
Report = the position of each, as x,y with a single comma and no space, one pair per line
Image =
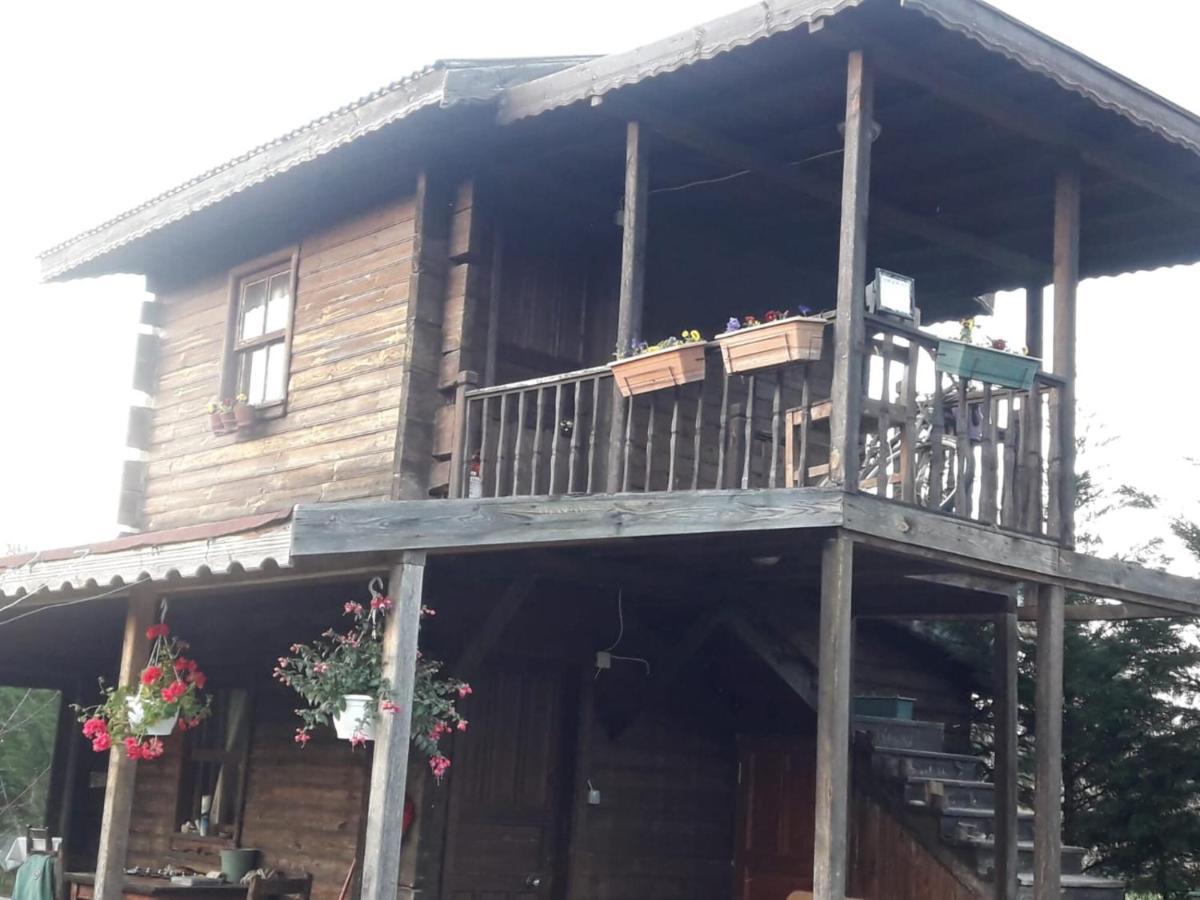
929,439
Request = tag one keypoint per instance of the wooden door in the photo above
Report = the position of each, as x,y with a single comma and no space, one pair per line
509,781
776,813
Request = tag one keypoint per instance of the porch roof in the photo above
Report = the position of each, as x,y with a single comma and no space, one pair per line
251,543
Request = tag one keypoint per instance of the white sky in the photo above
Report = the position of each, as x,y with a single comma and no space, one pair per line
106,104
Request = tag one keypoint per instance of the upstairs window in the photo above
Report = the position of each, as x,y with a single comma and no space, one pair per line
260,331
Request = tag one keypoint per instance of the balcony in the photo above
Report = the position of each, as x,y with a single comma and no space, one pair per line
965,447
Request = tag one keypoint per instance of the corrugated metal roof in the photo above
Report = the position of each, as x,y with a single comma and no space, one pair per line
247,544
442,84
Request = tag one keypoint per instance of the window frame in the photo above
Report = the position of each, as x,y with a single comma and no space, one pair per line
233,349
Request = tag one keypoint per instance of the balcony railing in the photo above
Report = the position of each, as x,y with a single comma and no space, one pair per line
971,449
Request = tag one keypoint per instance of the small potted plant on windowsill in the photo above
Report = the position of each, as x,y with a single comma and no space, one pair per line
169,695
216,417
778,338
643,368
991,361
244,414
340,678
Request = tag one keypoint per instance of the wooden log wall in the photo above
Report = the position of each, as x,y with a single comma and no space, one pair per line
303,808
337,440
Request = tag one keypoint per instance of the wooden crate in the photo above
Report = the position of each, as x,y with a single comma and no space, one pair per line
795,339
659,369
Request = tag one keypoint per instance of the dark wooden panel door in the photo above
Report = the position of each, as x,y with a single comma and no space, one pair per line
776,805
509,780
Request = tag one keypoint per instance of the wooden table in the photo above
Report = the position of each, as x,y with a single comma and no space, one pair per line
141,887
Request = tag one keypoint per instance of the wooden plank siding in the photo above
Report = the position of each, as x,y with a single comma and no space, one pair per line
336,441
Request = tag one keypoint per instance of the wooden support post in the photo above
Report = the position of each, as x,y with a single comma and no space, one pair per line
1047,838
389,766
1004,711
460,452
1035,320
122,771
830,850
633,269
851,278
1066,284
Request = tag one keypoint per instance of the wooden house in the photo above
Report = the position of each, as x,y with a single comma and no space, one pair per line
667,602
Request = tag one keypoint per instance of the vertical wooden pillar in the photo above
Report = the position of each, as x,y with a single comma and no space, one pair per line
1047,838
1066,284
1004,709
833,721
852,272
122,771
633,273
389,765
1034,320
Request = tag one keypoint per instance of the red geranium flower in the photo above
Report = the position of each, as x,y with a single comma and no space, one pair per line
101,742
162,629
199,679
151,674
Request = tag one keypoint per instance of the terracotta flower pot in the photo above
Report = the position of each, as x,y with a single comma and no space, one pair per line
217,423
790,340
245,414
659,369
229,420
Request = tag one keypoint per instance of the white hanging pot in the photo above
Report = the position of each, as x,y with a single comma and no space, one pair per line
356,718
160,728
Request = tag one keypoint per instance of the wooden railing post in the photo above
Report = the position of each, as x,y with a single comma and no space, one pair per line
389,765
633,267
834,690
1066,284
1004,712
122,771
1047,836
461,454
851,278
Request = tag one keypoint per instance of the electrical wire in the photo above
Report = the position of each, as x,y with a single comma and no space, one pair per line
718,179
620,634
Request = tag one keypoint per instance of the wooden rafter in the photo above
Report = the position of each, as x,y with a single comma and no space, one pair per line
741,156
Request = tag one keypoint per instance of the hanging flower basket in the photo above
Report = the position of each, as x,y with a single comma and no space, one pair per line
356,718
340,678
169,695
669,363
973,362
777,342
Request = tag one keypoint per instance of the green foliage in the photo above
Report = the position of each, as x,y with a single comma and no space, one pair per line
28,721
1131,728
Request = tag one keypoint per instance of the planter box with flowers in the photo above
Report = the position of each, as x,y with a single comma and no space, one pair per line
169,695
340,678
244,414
777,339
221,417
992,362
669,363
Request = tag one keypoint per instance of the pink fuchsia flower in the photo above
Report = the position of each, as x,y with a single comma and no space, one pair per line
358,739
438,764
151,674
439,728
384,603
464,690
353,609
302,737
462,725
101,742
320,668
428,611
389,706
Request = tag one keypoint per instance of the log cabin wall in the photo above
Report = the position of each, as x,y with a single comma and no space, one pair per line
337,439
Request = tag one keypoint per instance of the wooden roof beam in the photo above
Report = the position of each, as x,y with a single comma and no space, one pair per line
742,156
961,91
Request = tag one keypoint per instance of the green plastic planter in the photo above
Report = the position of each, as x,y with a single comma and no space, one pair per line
985,364
884,707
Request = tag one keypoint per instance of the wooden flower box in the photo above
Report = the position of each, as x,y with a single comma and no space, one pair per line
795,339
985,364
659,369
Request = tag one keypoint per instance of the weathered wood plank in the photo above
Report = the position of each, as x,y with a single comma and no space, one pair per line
1047,804
851,278
122,771
1004,714
1067,194
494,522
833,720
389,766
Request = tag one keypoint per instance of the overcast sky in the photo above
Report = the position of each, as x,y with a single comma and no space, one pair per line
106,104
